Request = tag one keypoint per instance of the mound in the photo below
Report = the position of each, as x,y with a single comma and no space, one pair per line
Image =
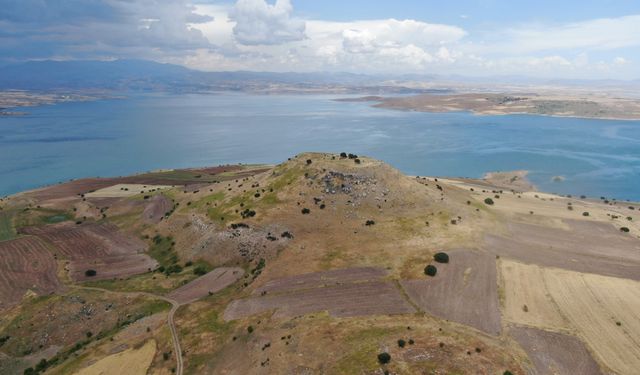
26,264
464,291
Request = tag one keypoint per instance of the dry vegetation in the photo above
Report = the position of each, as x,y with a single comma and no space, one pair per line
318,265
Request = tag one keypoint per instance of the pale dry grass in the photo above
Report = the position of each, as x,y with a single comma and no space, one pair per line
124,190
604,311
130,361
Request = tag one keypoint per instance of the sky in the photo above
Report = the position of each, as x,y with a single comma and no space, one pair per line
598,39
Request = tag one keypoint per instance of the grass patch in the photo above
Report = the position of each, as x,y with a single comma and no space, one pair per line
7,232
39,216
363,356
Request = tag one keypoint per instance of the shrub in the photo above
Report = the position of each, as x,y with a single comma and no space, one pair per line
585,213
370,222
90,273
488,201
624,229
343,155
384,358
250,329
401,343
199,270
441,257
430,270
507,373
188,263
306,211
309,161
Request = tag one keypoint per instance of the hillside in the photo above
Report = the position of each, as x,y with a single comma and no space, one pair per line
323,264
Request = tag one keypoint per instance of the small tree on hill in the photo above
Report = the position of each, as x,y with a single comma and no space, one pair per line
441,257
90,273
430,270
384,358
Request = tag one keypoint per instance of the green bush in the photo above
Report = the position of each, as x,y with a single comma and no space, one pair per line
430,270
90,273
488,201
199,270
384,358
585,213
624,229
402,343
441,257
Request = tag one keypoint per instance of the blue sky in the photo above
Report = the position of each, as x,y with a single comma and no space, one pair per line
564,39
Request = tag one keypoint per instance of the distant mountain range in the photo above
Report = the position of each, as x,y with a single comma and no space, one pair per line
144,75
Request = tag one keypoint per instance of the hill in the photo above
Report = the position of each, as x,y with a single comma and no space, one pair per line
325,263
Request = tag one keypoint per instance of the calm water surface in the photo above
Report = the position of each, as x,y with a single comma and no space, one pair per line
120,137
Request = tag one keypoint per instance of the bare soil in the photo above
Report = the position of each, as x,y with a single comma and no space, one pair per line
587,246
555,353
349,299
156,208
465,290
26,264
212,282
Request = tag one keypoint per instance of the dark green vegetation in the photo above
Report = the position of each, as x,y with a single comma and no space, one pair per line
384,358
488,201
430,270
441,257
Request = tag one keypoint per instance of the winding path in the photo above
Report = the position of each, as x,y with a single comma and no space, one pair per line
170,318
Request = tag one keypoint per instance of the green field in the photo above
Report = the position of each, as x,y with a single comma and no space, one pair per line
7,231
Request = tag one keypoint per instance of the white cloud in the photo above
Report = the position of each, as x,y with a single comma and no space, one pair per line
597,34
254,35
258,22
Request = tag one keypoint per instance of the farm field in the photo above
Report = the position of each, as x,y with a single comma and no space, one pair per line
7,232
207,284
471,278
130,361
349,299
27,264
555,353
603,311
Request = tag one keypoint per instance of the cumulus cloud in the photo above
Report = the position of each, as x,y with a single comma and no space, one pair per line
258,22
99,28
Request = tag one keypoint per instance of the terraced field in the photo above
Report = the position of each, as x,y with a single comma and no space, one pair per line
99,247
212,282
27,264
339,292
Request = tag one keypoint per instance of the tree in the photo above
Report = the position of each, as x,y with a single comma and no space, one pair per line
488,201
306,211
90,273
384,358
430,270
441,257
401,343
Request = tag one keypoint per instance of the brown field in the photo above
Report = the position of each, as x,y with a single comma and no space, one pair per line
111,267
587,246
125,190
342,300
465,291
321,279
101,247
26,264
131,362
212,282
603,311
87,240
555,353
156,208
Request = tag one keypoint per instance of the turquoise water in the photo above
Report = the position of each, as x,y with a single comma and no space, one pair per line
125,136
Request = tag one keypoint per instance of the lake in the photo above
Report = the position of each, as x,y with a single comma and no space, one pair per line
145,132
